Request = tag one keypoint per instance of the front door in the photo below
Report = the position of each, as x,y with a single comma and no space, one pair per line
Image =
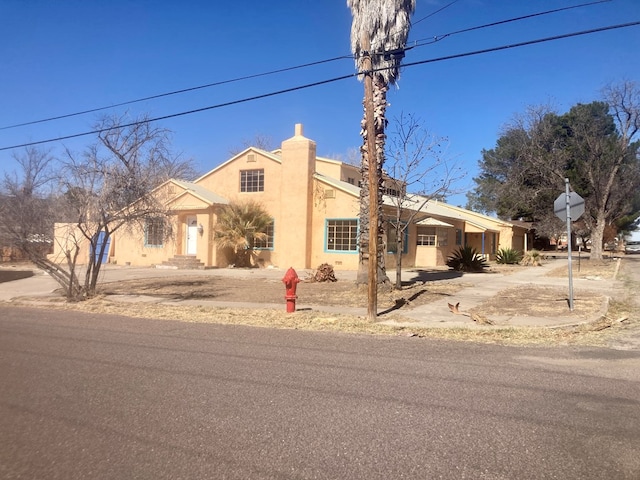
192,235
99,243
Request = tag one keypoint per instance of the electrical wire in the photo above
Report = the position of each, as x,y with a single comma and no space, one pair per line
522,44
437,38
176,92
188,112
327,81
434,13
286,69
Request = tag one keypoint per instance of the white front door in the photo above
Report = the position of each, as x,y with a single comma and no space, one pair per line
192,235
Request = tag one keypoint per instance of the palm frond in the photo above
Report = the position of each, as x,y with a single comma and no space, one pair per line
387,24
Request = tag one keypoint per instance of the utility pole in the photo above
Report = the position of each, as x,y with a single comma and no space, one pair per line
372,159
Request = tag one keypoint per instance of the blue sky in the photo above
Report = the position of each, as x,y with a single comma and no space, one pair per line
61,57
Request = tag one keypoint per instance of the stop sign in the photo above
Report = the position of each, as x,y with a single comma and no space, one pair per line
576,206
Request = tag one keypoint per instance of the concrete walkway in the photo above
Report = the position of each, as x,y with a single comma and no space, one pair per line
488,285
483,286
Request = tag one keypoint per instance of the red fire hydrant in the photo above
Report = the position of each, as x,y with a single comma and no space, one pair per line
291,281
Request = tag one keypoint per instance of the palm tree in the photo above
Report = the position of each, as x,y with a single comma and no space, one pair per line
379,32
239,225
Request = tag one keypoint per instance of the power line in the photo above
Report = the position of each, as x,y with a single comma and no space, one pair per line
522,44
176,92
188,112
437,38
433,13
286,69
327,81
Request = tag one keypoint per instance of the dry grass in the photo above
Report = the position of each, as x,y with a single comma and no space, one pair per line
269,291
586,268
598,333
535,300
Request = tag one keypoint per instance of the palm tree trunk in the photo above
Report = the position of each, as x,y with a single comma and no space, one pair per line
379,109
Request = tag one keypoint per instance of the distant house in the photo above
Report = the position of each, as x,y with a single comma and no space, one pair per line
12,234
314,203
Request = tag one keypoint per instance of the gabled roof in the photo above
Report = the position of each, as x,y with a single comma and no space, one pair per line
269,155
432,222
475,222
200,192
330,160
339,184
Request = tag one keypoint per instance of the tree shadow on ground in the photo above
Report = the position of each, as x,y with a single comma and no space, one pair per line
423,275
10,275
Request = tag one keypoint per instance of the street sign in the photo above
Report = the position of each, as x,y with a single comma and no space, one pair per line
568,207
576,206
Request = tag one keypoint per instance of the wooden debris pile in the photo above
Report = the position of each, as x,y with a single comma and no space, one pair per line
324,273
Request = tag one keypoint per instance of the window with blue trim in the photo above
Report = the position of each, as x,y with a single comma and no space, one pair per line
342,235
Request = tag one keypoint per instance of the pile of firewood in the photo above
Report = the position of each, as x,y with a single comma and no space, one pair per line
324,273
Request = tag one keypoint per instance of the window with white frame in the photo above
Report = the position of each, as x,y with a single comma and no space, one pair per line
252,180
267,243
342,235
154,232
426,236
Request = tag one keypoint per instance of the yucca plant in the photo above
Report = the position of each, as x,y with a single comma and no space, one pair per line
533,257
467,259
508,256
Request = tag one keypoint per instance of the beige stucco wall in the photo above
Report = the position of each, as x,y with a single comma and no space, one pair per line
300,207
66,237
287,196
128,248
225,181
342,206
330,168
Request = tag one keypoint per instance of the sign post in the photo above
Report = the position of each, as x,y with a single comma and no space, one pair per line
569,206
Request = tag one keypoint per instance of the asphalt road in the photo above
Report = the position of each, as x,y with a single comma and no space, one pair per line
106,397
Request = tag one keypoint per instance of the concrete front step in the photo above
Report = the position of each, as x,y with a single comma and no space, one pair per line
182,262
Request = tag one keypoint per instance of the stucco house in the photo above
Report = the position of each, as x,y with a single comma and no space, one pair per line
314,204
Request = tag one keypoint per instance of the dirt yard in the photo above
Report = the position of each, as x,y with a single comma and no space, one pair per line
423,286
269,291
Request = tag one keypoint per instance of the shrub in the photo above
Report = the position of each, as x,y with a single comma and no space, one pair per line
508,256
467,259
533,258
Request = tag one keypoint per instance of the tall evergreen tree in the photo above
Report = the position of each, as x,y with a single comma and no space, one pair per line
594,145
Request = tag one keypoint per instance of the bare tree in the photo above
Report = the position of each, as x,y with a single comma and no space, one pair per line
263,142
109,186
112,186
416,162
27,204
